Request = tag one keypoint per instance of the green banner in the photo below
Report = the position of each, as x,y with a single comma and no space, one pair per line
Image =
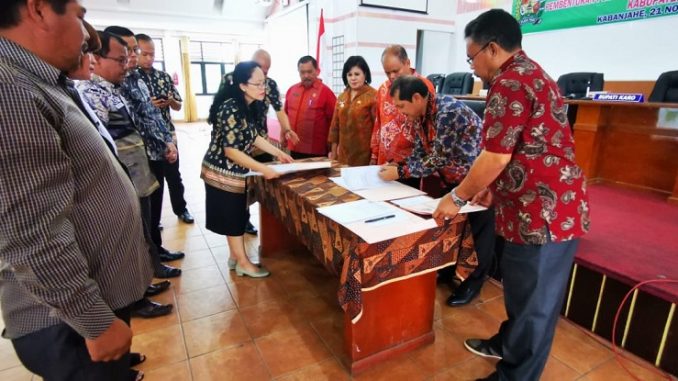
542,15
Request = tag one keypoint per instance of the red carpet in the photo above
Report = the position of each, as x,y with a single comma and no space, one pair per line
633,237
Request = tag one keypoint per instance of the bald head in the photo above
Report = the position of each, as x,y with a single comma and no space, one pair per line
395,62
263,59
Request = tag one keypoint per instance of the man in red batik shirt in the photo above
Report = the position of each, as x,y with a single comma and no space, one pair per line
309,105
539,193
393,135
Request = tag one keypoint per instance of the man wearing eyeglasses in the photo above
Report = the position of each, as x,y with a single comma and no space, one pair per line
539,193
157,137
104,95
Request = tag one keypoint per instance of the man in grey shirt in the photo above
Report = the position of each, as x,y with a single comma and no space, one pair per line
72,251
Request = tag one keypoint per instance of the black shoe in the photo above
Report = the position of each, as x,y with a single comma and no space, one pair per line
157,288
167,272
482,348
492,377
186,217
148,309
250,229
167,256
462,295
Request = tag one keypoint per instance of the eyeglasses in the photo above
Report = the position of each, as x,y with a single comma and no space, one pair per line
136,51
260,85
122,61
473,57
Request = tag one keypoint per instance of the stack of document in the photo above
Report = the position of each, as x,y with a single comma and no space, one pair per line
365,182
295,167
426,205
376,221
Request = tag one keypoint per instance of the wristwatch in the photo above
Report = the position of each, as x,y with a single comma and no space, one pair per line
458,201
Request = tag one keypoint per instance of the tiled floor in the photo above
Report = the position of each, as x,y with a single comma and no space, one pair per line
289,326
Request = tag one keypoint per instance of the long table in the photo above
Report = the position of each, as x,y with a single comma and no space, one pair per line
387,289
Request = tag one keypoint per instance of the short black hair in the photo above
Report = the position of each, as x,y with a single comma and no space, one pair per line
307,59
10,15
495,25
105,38
120,31
241,75
143,37
406,86
352,62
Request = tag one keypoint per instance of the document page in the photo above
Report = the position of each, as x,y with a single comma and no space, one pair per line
376,221
426,205
295,167
389,190
365,177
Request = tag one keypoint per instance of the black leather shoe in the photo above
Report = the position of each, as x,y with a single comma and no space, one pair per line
492,377
157,288
186,217
167,256
462,296
250,229
148,309
482,348
167,272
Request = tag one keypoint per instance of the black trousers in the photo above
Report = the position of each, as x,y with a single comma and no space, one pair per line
145,203
158,169
484,237
299,155
535,278
175,186
58,353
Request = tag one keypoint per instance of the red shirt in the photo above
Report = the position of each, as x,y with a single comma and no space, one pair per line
393,135
541,189
310,112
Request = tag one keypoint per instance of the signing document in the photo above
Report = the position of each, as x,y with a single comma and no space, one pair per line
376,221
295,167
365,182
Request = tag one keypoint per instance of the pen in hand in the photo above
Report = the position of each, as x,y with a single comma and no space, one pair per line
380,218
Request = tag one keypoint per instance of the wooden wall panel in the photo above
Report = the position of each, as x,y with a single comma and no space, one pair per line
644,87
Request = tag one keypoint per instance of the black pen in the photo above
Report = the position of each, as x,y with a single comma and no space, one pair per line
380,218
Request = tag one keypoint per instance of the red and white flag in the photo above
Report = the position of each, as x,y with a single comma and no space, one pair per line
324,63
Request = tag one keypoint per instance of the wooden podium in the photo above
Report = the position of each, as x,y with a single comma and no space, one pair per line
621,143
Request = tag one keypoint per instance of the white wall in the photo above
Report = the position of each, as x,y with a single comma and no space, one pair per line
635,50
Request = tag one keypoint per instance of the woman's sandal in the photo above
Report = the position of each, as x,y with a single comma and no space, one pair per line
136,358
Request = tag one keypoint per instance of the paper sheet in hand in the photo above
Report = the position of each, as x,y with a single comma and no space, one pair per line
426,205
366,177
295,167
390,190
353,215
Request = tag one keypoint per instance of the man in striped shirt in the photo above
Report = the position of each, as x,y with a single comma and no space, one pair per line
72,251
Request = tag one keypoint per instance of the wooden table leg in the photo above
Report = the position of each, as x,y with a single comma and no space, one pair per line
396,318
273,236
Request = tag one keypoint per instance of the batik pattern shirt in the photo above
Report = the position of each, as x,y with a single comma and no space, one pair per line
160,84
542,190
447,141
392,135
351,127
148,119
234,128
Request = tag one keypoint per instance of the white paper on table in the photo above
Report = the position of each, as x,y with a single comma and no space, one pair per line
294,167
353,215
365,177
353,211
426,205
391,190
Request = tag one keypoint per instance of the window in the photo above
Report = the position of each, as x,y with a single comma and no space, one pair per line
209,62
159,63
337,64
